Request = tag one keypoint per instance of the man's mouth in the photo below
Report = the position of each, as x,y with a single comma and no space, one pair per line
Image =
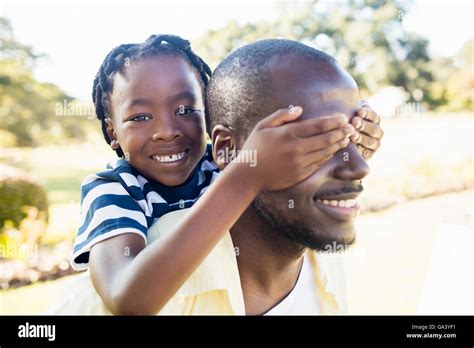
171,157
341,207
348,203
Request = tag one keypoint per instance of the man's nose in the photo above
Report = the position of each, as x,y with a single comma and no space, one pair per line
166,128
350,164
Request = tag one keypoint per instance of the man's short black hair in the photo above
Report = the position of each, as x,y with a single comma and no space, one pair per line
242,81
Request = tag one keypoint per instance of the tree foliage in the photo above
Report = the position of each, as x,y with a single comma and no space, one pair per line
367,37
27,106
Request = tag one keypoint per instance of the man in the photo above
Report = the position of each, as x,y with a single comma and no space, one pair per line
273,272
315,214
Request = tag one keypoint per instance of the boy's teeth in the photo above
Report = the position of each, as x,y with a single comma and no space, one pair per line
170,158
348,203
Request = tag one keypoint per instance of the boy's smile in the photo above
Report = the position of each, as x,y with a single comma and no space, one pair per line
158,118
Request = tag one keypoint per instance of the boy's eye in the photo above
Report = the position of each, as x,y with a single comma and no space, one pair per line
184,110
140,118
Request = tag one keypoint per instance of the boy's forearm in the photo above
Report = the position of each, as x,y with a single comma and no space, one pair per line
157,272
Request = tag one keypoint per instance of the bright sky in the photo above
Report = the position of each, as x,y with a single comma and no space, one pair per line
77,36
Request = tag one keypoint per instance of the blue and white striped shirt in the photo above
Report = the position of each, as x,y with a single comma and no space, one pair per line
120,200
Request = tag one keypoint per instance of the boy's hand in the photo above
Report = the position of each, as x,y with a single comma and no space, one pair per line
288,152
368,132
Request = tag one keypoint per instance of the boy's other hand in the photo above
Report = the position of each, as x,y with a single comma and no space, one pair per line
368,133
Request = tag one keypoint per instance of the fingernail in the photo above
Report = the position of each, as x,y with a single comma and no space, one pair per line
359,123
349,130
343,118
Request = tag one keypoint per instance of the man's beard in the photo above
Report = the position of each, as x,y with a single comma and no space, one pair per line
308,235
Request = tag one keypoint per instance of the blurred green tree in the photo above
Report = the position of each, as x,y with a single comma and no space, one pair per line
27,106
454,86
367,37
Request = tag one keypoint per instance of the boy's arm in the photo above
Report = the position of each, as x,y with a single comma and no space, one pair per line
164,266
144,281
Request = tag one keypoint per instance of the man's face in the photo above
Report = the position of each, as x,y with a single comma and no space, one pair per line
318,212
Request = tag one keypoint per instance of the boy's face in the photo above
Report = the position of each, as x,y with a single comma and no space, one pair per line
305,213
158,118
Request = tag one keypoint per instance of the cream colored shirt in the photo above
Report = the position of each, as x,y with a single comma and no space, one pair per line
301,299
214,288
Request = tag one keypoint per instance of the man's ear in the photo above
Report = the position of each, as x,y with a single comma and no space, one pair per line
223,145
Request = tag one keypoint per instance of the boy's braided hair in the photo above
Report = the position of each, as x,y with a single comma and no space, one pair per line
120,56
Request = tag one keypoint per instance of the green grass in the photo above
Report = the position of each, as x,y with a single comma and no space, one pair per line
63,187
60,169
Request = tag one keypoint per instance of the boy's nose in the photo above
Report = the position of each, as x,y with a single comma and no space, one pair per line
351,165
167,129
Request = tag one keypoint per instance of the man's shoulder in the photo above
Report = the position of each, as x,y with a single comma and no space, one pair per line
218,271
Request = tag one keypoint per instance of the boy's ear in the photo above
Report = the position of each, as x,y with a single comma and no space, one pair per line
223,145
110,129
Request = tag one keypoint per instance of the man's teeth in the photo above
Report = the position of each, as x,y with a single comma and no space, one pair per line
170,158
348,203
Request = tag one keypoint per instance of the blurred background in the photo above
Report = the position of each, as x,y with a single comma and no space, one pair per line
413,61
